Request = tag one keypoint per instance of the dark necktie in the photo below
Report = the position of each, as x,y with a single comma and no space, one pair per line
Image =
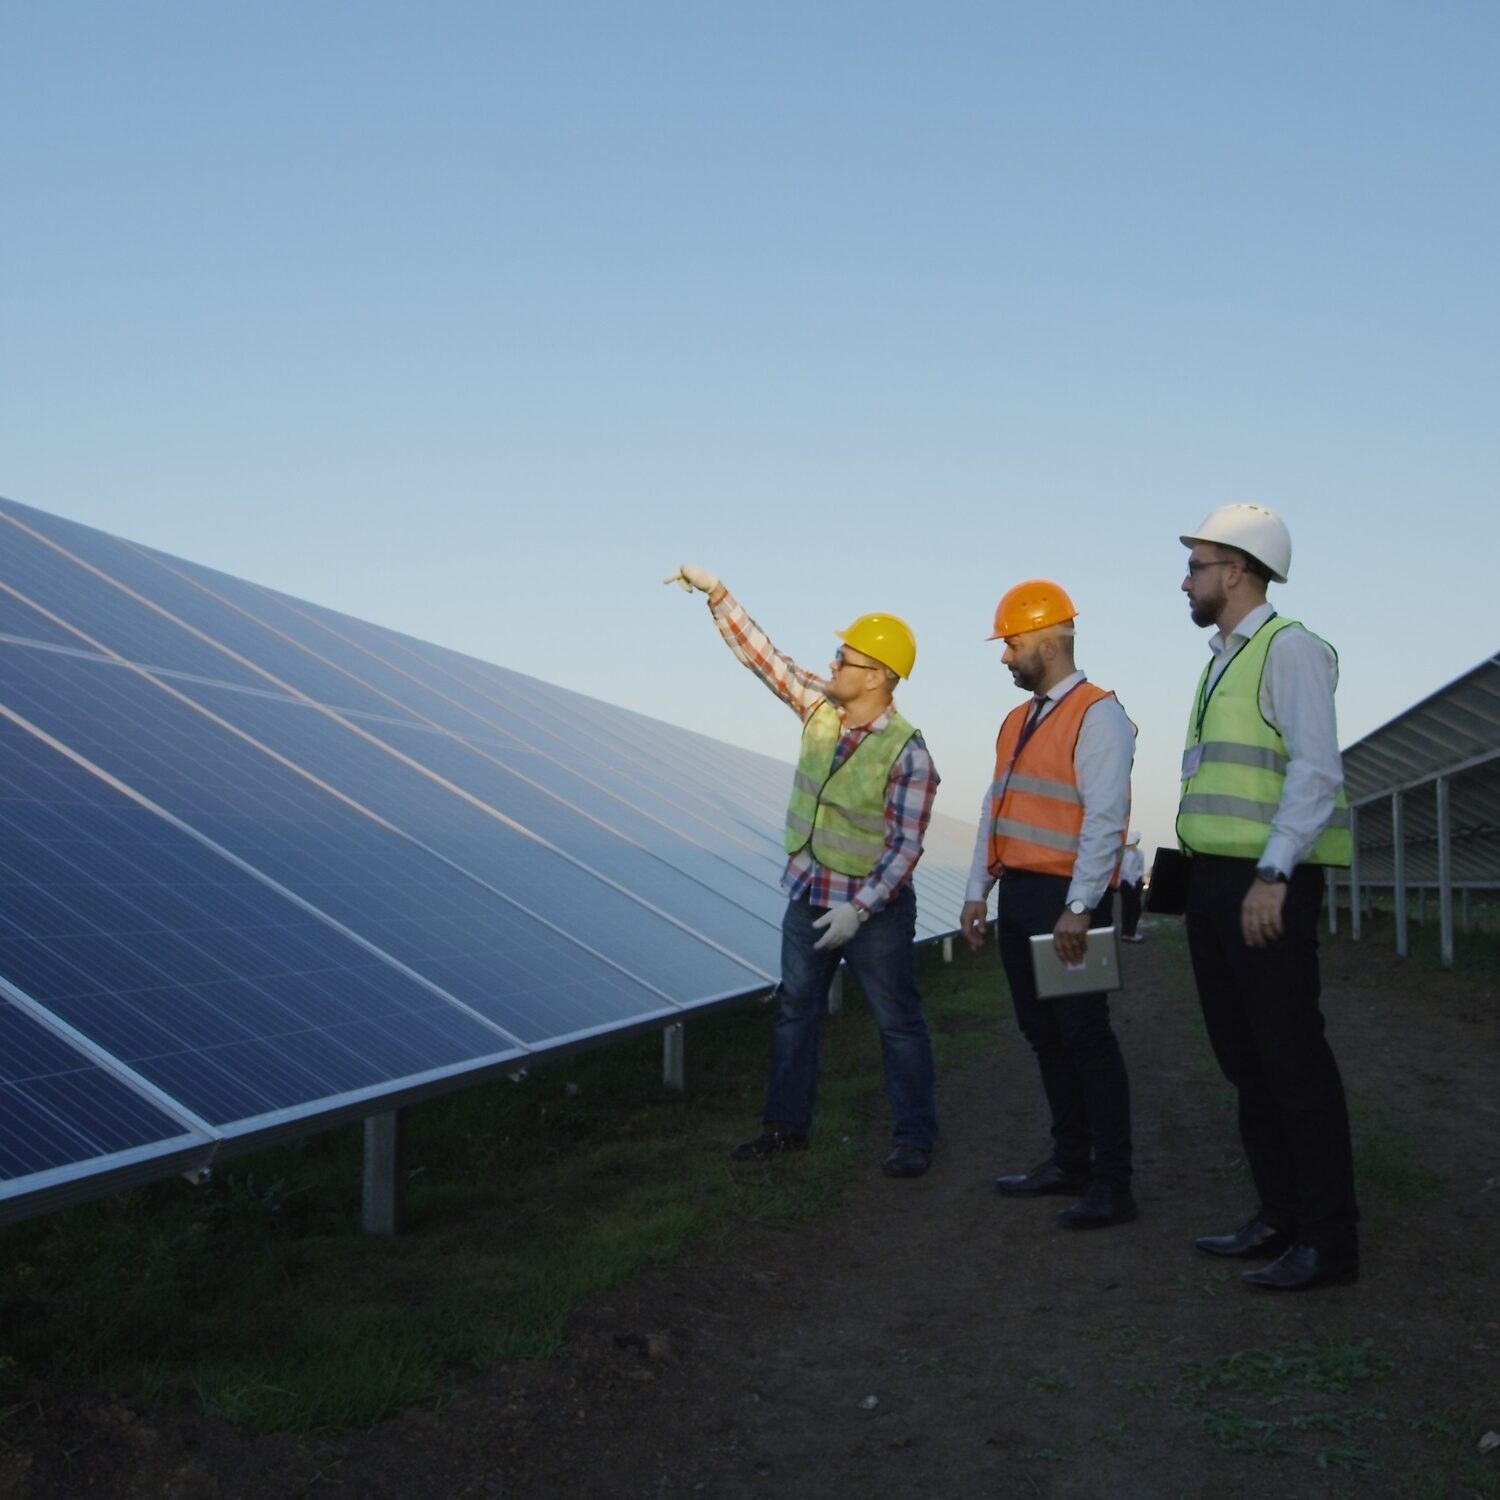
1029,727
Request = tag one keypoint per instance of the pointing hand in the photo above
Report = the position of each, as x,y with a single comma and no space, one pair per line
689,577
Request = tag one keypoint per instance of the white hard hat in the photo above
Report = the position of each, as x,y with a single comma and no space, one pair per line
1253,529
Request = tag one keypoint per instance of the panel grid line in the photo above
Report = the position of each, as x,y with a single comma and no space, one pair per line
248,869
111,655
337,718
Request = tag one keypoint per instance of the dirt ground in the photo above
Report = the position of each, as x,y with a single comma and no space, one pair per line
933,1340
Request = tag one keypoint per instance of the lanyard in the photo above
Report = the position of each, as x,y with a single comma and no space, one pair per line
1211,683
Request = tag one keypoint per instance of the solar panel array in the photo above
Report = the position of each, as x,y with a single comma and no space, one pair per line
264,867
1452,735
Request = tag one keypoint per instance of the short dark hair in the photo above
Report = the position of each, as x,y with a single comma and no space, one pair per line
1254,565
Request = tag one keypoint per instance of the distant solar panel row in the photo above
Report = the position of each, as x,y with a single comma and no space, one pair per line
263,866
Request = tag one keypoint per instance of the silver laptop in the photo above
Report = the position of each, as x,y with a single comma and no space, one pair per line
1100,969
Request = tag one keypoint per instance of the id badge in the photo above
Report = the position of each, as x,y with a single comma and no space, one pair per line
1192,757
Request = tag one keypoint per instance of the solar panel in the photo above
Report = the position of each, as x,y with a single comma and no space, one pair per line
60,1108
548,754
444,689
264,866
201,979
492,952
67,590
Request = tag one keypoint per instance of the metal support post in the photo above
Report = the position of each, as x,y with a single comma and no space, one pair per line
383,1196
1356,898
1466,909
674,1058
1445,873
1398,845
948,948
836,992
1398,872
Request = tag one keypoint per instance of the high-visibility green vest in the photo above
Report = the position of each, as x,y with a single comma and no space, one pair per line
1240,763
842,815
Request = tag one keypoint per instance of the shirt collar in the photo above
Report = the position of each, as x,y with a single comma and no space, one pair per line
1242,632
874,726
1061,689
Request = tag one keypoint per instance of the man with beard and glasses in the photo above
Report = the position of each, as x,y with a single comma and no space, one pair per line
860,804
1262,811
1051,830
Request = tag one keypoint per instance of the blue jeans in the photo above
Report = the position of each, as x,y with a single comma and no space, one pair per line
881,956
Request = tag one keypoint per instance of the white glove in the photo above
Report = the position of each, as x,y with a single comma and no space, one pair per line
688,578
842,922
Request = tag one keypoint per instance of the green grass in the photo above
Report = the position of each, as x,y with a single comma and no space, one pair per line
258,1297
933,1364
1331,1365
1280,1400
1385,1164
1337,1406
1476,952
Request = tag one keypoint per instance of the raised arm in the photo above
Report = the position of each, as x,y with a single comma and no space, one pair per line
798,688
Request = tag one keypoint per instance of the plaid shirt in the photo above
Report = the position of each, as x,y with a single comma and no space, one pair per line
908,794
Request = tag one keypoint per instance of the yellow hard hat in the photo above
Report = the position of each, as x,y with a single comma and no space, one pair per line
885,637
1032,605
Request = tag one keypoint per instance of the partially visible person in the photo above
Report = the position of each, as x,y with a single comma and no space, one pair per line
1262,813
1051,829
861,800
1132,878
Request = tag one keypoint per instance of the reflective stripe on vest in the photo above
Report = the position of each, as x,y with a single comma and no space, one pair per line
1230,800
841,813
1036,809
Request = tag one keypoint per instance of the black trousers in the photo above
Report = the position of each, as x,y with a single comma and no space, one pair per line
1083,1073
1261,1009
1130,908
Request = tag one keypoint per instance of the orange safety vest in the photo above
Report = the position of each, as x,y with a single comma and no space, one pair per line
1036,809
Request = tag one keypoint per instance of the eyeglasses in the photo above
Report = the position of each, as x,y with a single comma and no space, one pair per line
1195,567
840,660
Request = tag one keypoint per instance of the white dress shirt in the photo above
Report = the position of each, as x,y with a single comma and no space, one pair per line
1101,762
1296,699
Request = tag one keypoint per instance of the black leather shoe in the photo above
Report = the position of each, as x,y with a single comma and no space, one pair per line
1104,1204
1301,1268
772,1139
1047,1178
1254,1239
906,1161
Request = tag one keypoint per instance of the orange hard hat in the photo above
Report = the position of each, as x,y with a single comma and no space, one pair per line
1032,605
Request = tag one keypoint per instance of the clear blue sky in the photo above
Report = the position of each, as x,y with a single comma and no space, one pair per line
475,319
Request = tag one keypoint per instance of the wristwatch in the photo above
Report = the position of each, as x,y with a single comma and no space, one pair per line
1270,874
1078,908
